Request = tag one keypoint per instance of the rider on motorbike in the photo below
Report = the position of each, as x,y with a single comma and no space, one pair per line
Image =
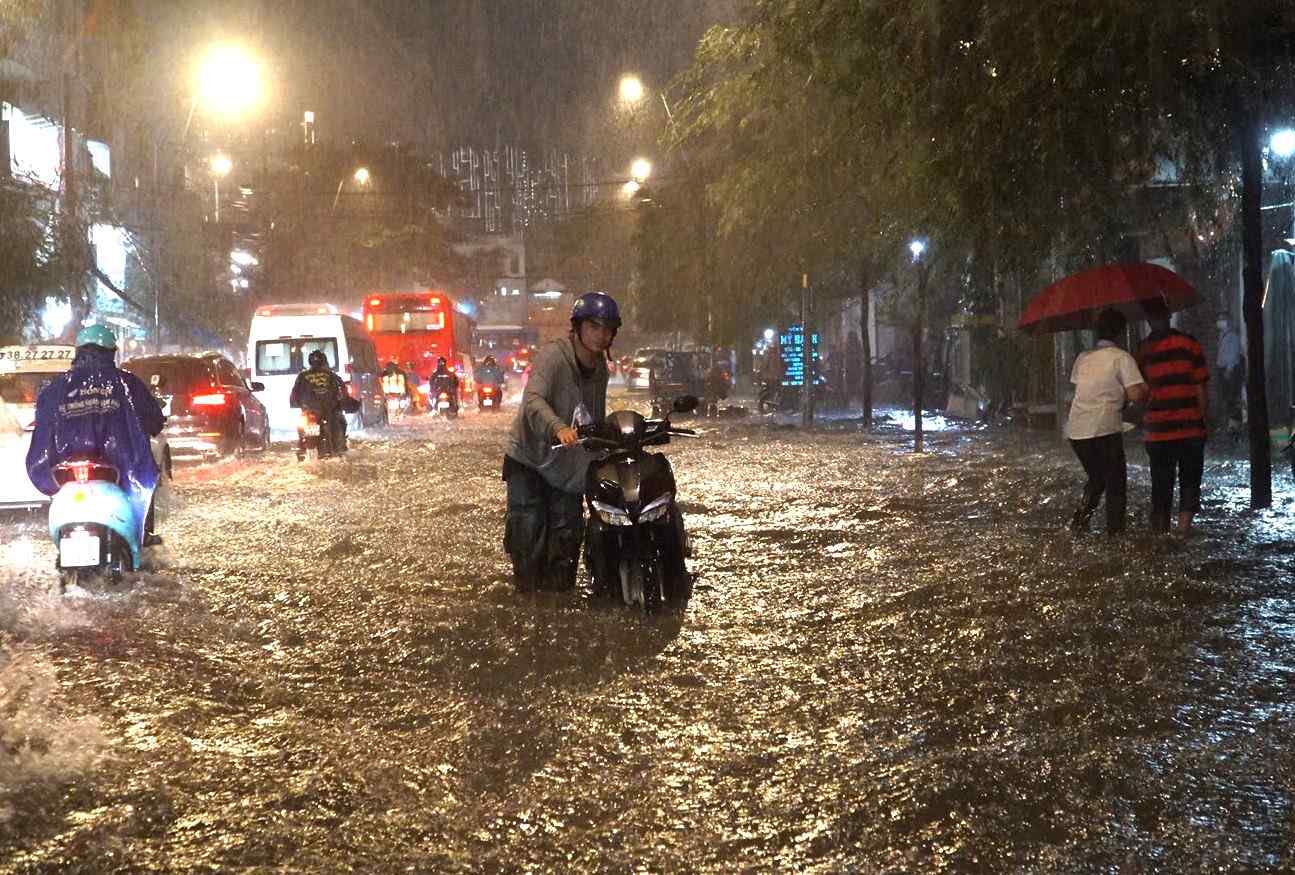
321,391
490,374
97,410
445,380
394,381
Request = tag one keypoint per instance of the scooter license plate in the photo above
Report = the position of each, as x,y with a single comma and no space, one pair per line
443,405
312,430
488,402
78,550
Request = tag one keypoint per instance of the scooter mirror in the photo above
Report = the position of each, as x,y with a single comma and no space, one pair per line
157,381
685,404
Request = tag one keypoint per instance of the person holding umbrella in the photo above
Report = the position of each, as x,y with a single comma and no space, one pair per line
1105,378
1174,424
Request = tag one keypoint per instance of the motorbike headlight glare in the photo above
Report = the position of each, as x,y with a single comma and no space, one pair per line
611,515
656,509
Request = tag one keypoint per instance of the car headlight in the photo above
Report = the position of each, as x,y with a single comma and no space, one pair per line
656,509
611,515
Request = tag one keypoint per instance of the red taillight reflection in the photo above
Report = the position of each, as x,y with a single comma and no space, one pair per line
213,399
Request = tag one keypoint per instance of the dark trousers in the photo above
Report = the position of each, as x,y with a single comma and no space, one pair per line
1183,461
542,531
1104,463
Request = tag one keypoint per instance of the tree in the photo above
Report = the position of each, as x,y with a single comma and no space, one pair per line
1021,133
29,259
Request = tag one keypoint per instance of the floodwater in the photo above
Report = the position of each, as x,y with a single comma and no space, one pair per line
890,664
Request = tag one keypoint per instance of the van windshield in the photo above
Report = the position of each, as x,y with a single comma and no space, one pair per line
288,355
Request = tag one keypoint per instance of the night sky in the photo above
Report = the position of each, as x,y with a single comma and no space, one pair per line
439,72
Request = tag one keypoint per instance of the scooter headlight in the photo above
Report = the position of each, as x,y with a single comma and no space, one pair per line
656,509
611,515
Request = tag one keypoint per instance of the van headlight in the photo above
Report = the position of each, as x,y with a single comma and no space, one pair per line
656,509
611,515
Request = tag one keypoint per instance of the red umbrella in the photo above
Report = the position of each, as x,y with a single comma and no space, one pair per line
1075,301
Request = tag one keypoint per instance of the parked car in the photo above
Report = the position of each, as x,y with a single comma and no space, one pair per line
210,408
24,371
677,373
639,373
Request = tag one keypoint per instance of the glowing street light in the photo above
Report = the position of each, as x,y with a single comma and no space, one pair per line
917,247
361,177
229,81
1282,143
631,88
640,170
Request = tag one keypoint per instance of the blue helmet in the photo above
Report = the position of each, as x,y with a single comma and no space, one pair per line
97,335
596,305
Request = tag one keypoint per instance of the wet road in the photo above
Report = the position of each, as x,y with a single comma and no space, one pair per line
890,663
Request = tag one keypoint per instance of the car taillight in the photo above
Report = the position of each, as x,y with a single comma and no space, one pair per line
304,421
213,399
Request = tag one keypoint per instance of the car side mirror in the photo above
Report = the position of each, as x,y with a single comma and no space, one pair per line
258,386
685,404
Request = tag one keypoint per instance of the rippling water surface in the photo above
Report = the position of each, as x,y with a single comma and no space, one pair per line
890,663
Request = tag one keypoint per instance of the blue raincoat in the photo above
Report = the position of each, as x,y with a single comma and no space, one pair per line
96,410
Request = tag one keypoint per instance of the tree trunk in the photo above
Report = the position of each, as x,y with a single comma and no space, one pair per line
1261,486
865,341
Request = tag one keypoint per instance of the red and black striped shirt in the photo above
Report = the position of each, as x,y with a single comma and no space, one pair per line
1174,366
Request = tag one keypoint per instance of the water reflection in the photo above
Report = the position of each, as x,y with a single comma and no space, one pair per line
890,663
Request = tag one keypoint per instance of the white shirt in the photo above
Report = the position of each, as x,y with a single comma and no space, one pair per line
1100,376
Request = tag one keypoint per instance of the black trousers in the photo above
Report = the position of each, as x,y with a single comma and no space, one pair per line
1183,461
1104,463
543,530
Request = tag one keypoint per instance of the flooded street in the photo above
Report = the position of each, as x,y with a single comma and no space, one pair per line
890,663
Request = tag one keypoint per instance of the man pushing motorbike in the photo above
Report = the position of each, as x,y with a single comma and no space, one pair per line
568,383
97,411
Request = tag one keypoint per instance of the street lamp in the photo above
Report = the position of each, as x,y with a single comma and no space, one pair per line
640,170
631,88
917,248
220,167
361,177
1282,143
229,81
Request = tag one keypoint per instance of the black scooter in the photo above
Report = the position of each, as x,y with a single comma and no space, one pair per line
635,542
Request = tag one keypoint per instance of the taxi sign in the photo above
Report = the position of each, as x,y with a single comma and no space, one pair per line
44,358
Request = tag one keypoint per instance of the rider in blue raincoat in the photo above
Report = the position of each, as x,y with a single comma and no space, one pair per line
96,410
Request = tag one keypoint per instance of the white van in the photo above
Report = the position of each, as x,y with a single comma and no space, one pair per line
282,338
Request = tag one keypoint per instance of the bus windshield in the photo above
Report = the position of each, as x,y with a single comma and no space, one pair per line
406,322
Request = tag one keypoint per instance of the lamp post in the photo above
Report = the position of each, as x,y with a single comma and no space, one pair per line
361,177
227,82
917,248
220,167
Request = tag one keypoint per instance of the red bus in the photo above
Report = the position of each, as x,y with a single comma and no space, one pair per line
420,327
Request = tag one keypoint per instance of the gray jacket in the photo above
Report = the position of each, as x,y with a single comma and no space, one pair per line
554,390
